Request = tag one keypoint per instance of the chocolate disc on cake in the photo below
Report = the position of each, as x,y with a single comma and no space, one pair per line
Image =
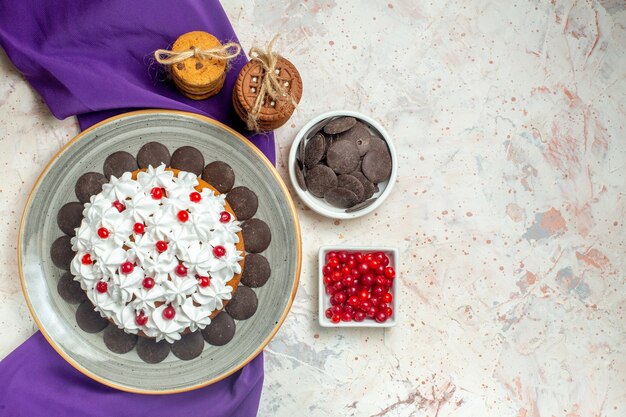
377,165
89,319
243,201
220,331
256,270
188,158
243,305
117,340
70,290
341,197
69,217
314,150
353,184
88,184
256,235
118,163
61,252
343,157
220,175
151,351
189,346
319,179
340,124
153,153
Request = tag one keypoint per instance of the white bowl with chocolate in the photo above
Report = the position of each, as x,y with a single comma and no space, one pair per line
343,164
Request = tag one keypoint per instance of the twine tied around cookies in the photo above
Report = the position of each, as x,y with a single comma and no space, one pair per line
225,52
270,84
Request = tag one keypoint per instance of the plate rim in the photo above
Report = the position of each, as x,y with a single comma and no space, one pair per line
281,184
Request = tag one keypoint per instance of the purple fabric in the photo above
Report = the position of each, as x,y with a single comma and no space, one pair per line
93,59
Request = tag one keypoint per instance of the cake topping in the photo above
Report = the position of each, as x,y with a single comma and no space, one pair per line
165,259
119,206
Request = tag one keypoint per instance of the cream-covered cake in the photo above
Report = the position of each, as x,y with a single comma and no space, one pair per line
158,252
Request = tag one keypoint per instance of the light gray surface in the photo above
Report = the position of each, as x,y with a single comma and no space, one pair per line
57,188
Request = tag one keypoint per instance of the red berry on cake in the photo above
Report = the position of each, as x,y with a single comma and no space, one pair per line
219,251
103,232
224,217
183,216
102,287
204,282
169,313
139,228
195,197
119,206
161,246
181,270
156,193
148,283
127,267
86,259
141,319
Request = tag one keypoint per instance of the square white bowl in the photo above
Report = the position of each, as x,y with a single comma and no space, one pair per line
324,299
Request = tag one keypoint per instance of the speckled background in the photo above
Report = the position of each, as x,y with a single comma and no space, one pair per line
508,117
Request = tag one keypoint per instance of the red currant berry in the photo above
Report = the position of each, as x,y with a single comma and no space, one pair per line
204,282
389,283
328,313
336,276
333,300
181,270
195,197
373,264
381,280
86,259
139,228
141,319
183,216
327,279
390,272
358,257
224,217
331,255
161,246
367,258
364,295
388,311
127,267
387,298
379,256
371,312
375,301
355,273
330,290
333,263
156,193
354,301
103,232
336,318
346,316
326,270
345,271
339,297
102,287
336,309
363,267
384,261
380,317
342,256
380,270
219,251
147,283
359,316
119,206
379,290
351,291
366,305
348,309
338,286
169,313
367,280
347,281
351,263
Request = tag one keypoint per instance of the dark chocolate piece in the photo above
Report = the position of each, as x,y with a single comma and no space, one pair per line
361,205
70,290
243,201
88,184
243,304
220,175
377,166
153,153
88,319
61,252
256,270
256,235
319,179
220,331
340,124
188,158
343,157
117,340
151,351
341,197
353,184
314,150
69,217
189,346
118,163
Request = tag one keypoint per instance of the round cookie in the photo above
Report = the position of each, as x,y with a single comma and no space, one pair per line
88,319
117,340
118,163
256,235
377,166
153,153
220,175
341,197
189,346
256,270
61,252
343,157
70,290
151,351
195,71
351,183
319,179
69,217
243,201
243,304
339,125
220,331
188,158
314,150
88,184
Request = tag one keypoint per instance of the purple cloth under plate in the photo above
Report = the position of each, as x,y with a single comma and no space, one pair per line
94,59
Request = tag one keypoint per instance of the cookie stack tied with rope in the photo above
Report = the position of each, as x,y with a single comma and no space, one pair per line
198,63
267,90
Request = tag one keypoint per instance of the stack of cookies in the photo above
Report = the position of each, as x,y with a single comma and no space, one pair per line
274,112
196,77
